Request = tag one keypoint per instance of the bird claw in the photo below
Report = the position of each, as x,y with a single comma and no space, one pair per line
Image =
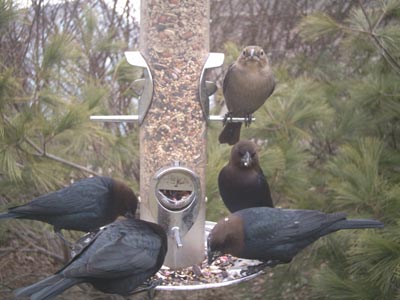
227,118
65,241
248,119
272,263
255,269
148,287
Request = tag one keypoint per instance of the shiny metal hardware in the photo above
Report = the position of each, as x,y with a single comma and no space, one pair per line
143,86
177,236
229,119
208,88
175,203
136,59
119,118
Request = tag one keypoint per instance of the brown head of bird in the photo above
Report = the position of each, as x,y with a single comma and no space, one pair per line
253,56
244,154
126,199
226,237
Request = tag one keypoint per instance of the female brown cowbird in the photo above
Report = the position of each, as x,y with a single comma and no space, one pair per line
118,260
247,85
241,182
84,206
274,235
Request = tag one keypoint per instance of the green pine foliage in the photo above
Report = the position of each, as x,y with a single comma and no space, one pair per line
329,140
329,136
46,136
362,177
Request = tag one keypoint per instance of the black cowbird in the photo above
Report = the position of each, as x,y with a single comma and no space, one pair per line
274,236
118,260
84,206
247,85
241,182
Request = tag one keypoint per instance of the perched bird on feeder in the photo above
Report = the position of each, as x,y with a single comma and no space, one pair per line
118,260
84,206
241,182
274,236
247,85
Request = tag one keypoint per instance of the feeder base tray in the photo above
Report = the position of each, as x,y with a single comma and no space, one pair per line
225,271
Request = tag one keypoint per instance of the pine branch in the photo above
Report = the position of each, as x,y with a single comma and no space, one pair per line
386,54
36,247
70,163
42,153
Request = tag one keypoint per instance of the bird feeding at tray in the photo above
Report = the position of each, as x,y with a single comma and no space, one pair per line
224,271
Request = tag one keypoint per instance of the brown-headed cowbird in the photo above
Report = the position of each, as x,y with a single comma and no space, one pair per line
84,206
274,236
118,260
247,85
241,182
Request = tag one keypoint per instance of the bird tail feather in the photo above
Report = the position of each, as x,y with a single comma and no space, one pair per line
8,215
47,288
230,134
359,224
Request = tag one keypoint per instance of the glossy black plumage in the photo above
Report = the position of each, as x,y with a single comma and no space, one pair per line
275,235
120,258
241,182
247,85
84,206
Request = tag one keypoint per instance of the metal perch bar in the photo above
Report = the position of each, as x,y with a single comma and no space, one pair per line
135,118
229,119
119,118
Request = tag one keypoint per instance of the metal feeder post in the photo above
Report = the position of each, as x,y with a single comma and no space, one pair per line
173,115
174,41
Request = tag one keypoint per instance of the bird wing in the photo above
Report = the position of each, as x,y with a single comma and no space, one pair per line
109,260
304,224
307,222
129,254
82,196
227,78
223,183
263,183
277,226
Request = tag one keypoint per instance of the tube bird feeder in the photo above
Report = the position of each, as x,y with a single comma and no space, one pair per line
174,41
173,116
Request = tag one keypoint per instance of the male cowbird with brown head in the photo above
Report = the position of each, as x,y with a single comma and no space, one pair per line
84,206
274,236
118,260
247,85
241,182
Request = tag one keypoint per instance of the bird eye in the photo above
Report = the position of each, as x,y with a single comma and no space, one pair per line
244,52
261,52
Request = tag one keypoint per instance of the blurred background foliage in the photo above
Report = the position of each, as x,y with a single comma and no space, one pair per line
329,136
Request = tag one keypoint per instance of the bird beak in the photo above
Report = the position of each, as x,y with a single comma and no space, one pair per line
211,255
129,215
252,52
246,159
